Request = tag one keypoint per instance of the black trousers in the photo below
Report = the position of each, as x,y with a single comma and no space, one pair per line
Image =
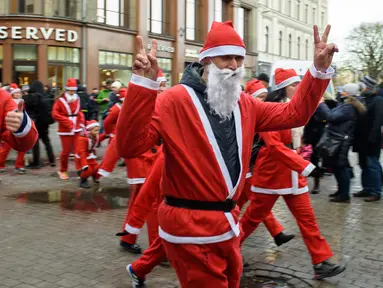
44,137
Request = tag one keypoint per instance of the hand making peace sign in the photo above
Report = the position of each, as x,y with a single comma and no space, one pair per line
146,65
323,53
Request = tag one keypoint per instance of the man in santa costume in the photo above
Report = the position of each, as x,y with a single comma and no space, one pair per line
87,165
5,148
66,111
207,125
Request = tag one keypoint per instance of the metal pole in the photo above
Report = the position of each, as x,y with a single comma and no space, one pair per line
84,42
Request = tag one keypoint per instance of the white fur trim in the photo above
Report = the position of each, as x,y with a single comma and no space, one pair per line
133,181
223,50
320,75
284,191
71,88
96,124
258,92
306,172
103,172
85,167
144,82
26,129
161,79
288,82
249,175
195,240
131,229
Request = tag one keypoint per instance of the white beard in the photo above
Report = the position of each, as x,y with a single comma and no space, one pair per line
70,98
224,89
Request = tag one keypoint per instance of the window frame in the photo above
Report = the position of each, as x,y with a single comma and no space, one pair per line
307,13
299,47
280,42
18,5
307,49
267,39
290,45
122,21
298,9
198,18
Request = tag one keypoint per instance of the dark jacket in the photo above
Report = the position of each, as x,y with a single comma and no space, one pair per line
84,98
368,127
314,129
93,108
224,131
36,105
340,121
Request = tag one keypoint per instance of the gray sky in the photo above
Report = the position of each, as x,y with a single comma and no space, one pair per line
347,14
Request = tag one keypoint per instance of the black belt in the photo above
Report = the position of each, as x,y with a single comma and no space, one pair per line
74,115
225,206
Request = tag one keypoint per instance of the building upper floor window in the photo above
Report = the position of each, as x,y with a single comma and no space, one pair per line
307,13
307,49
67,8
218,11
299,48
323,19
280,5
29,6
298,9
267,39
289,8
280,42
243,25
25,52
195,12
120,13
290,42
159,16
314,16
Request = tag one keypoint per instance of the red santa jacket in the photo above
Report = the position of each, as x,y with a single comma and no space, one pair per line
86,151
277,167
110,121
68,115
192,156
24,139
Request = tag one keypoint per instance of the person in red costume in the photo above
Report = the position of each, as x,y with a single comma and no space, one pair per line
66,111
207,125
280,171
5,148
87,165
17,130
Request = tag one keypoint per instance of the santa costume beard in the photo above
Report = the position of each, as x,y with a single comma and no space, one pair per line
224,89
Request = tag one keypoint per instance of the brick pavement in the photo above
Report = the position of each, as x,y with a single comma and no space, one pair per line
43,245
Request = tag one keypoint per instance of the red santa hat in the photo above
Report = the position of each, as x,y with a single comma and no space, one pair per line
90,124
284,78
255,88
222,40
13,86
71,84
161,77
123,93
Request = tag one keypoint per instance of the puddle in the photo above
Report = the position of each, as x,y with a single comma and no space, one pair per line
106,198
263,282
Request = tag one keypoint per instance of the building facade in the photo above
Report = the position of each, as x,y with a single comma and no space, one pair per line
285,29
93,40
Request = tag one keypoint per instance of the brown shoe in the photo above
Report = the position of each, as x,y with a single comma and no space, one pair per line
361,194
372,199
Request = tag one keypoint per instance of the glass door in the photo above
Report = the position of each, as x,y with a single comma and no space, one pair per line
24,73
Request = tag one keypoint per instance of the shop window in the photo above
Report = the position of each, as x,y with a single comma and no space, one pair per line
24,52
159,16
120,13
65,54
166,65
115,65
195,11
243,25
1,52
24,64
29,6
67,8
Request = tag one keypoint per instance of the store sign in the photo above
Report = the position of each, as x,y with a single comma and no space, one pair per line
33,33
163,48
192,53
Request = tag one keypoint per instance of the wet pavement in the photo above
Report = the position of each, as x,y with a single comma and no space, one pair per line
65,238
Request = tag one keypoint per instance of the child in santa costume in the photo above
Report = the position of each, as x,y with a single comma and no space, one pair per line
87,142
66,111
5,148
256,89
280,171
207,125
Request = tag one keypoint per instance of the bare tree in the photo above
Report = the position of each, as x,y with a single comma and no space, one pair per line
365,45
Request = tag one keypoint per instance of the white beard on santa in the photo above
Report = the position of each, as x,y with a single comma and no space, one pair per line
224,89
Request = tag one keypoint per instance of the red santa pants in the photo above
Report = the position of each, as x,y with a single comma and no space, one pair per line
271,223
110,159
152,257
217,265
68,143
4,151
91,171
131,238
261,205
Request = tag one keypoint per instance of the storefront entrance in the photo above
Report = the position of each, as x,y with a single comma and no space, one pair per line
24,73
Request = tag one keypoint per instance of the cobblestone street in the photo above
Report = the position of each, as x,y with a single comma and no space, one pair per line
49,245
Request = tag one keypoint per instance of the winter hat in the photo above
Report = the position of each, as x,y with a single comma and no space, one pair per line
369,82
90,124
255,88
116,84
161,77
352,89
284,78
123,93
71,84
222,40
263,77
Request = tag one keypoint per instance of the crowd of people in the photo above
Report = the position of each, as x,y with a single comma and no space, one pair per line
197,152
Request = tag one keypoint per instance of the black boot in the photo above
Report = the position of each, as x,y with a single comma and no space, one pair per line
327,269
283,238
335,194
316,190
132,248
340,199
84,183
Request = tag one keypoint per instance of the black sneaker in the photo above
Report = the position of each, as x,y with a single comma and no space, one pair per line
327,269
132,248
84,183
339,199
283,238
334,194
361,194
137,282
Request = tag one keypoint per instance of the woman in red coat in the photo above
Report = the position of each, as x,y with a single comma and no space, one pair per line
279,170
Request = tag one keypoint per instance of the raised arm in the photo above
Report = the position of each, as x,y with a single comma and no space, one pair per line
274,116
138,126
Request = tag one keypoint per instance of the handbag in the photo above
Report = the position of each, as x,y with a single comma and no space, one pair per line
330,143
